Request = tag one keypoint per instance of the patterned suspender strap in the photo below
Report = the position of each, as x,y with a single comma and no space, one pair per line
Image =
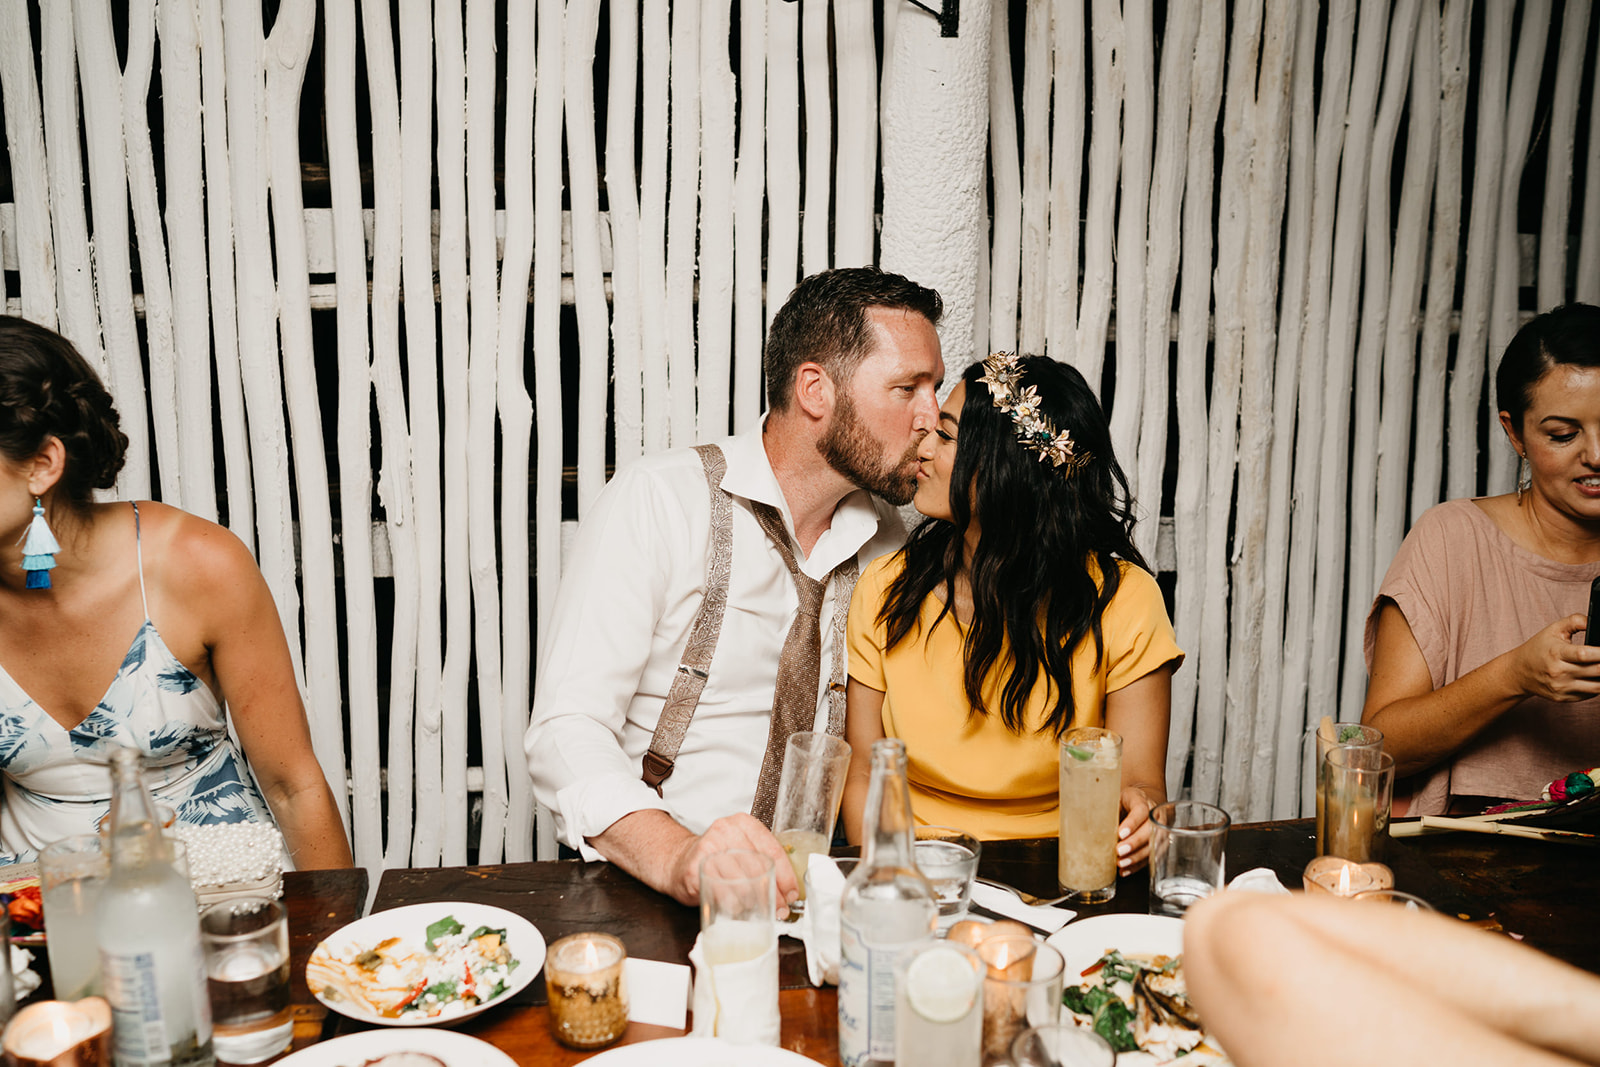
844,584
695,667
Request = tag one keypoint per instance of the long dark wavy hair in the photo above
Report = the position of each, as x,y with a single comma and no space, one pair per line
1043,535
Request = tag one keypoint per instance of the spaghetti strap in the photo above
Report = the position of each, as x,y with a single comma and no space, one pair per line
138,548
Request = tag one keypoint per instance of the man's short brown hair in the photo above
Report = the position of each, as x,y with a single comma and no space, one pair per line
824,321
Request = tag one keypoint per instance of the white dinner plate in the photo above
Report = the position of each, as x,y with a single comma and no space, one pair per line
411,922
696,1052
352,1050
1083,942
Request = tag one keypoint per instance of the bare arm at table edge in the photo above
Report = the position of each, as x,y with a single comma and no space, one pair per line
218,588
1411,987
1422,725
664,855
1140,712
863,725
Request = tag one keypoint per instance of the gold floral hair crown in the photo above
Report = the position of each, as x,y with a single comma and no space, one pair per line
1002,373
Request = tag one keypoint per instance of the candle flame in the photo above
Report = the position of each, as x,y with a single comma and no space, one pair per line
1344,880
591,957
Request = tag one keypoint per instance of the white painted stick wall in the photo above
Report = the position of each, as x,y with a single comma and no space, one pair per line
1325,385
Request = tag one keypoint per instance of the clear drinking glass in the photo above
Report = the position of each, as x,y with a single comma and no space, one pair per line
938,1013
949,858
72,872
246,944
809,791
1314,749
1021,988
1091,801
1408,901
739,944
1355,787
1187,843
1062,1045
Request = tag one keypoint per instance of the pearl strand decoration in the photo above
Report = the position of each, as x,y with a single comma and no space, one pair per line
229,858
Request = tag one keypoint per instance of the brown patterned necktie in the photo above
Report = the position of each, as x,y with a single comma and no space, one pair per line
794,699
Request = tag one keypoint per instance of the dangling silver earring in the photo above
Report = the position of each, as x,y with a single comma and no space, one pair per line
1524,477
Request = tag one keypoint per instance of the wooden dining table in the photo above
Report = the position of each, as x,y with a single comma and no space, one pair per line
1536,891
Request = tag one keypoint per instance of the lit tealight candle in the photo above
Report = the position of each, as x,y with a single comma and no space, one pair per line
1344,878
588,993
55,1033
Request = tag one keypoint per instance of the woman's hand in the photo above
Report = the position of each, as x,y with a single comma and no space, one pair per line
1553,666
1133,833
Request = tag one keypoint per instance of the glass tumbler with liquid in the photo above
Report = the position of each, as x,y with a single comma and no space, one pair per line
247,972
1091,803
72,871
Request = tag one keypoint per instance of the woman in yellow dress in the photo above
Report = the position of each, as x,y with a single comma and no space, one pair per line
1017,610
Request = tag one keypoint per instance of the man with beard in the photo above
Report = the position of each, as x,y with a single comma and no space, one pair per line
678,599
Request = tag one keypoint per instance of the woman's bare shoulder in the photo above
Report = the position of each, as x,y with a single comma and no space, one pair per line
179,545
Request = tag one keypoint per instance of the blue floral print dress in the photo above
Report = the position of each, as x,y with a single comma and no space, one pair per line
57,782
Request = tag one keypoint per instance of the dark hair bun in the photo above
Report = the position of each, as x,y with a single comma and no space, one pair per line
47,389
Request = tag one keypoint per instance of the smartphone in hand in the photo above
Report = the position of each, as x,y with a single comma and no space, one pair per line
1592,636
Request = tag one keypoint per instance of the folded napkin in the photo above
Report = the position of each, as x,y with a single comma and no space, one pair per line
1259,880
736,1001
24,979
1046,917
818,926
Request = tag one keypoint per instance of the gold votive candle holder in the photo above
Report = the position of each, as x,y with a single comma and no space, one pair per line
587,986
59,1033
1345,878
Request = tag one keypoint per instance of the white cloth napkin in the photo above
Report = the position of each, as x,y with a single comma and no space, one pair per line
818,926
1259,880
24,979
1046,917
736,1001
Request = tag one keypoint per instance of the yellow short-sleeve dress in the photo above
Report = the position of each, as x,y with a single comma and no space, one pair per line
969,771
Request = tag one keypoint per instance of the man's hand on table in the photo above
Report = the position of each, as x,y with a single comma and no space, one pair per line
663,854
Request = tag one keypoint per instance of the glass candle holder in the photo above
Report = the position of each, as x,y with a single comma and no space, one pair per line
588,990
54,1033
1345,878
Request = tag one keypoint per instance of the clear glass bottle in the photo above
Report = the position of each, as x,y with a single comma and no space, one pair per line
888,908
148,927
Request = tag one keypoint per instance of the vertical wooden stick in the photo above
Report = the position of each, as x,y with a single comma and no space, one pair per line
856,171
682,221
409,489
1552,276
748,186
816,74
1005,239
113,271
714,299
1194,314
1133,358
1292,382
1427,475
1104,158
161,384
186,228
1066,193
1035,297
355,381
622,197
24,131
653,230
783,153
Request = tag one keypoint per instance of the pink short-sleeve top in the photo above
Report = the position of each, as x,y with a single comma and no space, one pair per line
1469,593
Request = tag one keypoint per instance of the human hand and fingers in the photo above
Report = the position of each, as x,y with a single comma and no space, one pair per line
1133,833
1553,666
742,831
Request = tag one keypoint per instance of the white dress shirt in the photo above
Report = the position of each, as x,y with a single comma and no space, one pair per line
629,593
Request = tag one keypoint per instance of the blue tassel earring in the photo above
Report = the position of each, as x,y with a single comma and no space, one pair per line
39,552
